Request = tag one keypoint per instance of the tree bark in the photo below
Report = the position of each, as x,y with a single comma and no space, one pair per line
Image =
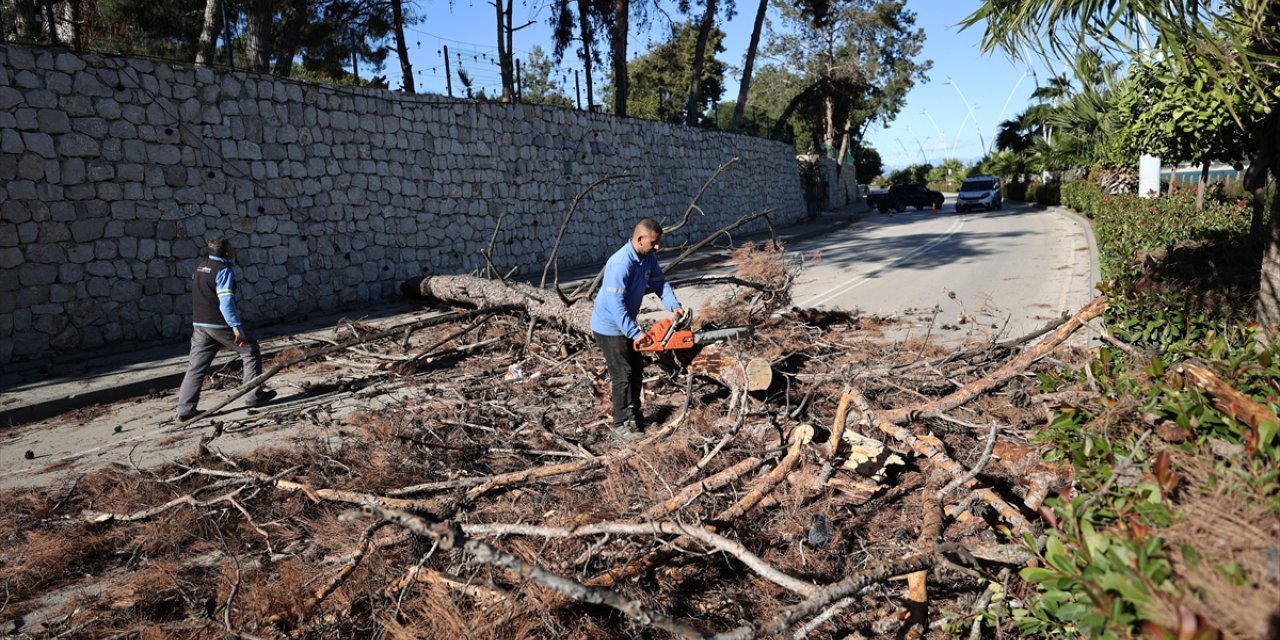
584,21
483,292
692,110
1267,160
295,20
1204,186
76,10
402,47
257,35
621,83
206,48
1269,274
504,50
804,94
748,64
51,23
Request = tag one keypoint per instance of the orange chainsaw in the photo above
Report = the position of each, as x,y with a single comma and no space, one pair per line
669,334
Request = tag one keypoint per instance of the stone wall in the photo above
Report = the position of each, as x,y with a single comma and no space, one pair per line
114,171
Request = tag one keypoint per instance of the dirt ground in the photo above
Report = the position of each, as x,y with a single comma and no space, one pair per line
463,481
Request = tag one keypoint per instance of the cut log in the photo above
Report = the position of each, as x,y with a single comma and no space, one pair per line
725,364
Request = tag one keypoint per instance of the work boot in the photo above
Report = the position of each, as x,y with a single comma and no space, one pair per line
263,396
626,430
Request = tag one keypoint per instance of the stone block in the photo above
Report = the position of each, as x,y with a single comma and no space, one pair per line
156,304
133,114
99,287
158,268
61,293
113,332
70,273
122,129
80,254
37,275
27,79
68,338
87,84
110,191
31,167
8,171
9,282
10,98
130,172
93,127
73,170
105,250
11,256
33,141
114,229
163,154
81,191
185,250
87,230
53,121
189,195
174,176
108,108
78,145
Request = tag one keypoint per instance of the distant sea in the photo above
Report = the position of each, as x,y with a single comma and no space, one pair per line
1192,174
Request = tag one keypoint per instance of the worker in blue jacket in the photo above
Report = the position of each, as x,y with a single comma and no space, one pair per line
630,272
215,324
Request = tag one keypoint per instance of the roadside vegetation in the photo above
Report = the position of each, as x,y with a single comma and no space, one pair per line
1175,528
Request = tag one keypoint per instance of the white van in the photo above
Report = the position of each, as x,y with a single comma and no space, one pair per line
980,191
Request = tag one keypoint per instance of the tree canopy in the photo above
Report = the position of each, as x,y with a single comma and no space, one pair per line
660,76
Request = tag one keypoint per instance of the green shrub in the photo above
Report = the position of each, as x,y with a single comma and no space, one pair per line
1180,285
1048,194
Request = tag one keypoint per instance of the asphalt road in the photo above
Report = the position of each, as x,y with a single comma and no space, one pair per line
1006,272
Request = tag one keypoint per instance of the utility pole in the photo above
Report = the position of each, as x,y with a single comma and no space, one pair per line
577,89
448,77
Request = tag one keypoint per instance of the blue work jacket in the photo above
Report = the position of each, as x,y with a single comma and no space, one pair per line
627,277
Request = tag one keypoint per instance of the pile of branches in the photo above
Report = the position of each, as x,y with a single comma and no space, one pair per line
459,479
479,493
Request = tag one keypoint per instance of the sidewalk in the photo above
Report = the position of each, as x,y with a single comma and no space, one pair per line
35,390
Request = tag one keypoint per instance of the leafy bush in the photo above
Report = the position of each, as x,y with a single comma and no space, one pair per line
1117,559
1044,193
1129,228
1033,192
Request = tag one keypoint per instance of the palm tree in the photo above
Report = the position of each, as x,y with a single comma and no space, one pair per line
1242,34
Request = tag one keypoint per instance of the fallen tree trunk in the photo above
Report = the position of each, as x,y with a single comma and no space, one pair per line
474,291
735,371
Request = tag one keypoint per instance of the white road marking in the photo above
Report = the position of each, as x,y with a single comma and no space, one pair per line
837,290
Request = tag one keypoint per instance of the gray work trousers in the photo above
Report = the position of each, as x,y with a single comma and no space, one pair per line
205,343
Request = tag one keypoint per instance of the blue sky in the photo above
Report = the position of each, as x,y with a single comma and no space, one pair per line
935,123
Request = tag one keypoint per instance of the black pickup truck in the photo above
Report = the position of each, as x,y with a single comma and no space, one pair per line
900,196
